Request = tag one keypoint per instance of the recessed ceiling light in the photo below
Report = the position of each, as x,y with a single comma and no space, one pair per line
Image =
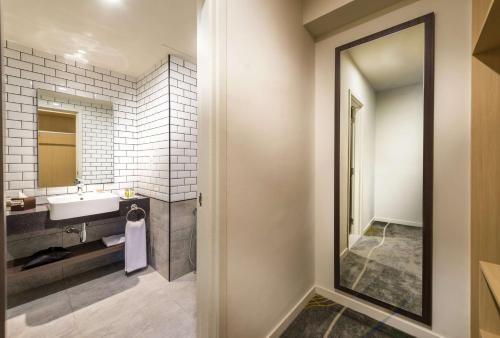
112,1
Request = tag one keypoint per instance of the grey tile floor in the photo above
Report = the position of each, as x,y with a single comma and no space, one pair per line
142,305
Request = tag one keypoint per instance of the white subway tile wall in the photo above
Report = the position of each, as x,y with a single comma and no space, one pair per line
184,130
26,70
140,122
153,133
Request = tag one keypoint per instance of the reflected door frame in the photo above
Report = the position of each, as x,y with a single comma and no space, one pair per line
428,157
355,168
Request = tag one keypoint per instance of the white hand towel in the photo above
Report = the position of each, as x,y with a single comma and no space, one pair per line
135,245
113,240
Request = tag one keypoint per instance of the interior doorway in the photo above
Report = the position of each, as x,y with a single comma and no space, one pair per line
354,172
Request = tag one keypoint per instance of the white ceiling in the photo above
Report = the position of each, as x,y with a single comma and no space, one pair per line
127,36
393,61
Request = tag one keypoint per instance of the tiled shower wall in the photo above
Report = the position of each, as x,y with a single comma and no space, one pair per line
184,130
164,124
140,121
155,126
153,133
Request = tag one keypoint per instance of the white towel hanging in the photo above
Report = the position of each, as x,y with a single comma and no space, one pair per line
135,245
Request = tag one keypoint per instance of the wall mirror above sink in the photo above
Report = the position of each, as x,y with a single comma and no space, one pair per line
75,139
383,168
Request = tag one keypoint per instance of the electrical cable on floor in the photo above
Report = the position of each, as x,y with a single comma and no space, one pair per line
355,284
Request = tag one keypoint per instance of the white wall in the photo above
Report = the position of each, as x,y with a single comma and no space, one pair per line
398,155
451,156
354,82
270,92
312,9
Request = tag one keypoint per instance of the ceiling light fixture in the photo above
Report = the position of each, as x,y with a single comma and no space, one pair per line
112,1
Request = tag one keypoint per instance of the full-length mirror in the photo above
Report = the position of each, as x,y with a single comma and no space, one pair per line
384,168
75,139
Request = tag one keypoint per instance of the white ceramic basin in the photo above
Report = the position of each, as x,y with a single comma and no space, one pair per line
74,205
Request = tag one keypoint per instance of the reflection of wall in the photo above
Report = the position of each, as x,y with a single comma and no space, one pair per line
398,155
25,71
451,156
354,81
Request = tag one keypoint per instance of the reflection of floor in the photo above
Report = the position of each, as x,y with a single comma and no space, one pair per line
394,270
142,305
315,320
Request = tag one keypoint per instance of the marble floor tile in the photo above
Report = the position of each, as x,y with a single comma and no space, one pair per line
142,305
316,318
393,272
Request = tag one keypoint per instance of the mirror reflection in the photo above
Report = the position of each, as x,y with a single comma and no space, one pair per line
75,140
381,168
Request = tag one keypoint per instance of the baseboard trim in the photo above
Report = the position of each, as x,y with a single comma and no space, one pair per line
370,310
382,315
290,316
368,226
343,252
397,221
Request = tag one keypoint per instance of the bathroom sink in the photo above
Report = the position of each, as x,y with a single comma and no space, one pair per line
74,205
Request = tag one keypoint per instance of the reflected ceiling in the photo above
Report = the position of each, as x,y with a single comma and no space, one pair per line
393,61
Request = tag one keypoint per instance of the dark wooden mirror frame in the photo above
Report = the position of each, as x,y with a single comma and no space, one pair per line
428,155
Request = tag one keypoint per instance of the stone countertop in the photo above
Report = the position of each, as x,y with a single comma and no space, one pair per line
37,219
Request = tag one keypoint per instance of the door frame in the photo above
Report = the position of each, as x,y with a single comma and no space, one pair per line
353,101
3,244
212,200
211,225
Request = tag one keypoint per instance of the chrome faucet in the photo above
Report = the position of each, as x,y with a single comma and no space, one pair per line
79,186
82,232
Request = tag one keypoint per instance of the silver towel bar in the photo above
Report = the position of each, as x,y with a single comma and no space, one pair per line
134,207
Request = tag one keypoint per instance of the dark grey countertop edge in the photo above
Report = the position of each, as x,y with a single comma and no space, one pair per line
38,218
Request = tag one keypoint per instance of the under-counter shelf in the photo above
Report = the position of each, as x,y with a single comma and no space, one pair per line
485,334
491,273
79,253
487,48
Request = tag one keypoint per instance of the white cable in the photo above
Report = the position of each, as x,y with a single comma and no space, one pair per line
337,317
368,258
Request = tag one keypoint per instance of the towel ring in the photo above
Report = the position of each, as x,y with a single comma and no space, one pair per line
135,208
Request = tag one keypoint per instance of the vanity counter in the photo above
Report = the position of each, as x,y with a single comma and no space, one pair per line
38,219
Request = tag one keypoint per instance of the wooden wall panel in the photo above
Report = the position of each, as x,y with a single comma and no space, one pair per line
485,166
62,122
57,165
56,149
